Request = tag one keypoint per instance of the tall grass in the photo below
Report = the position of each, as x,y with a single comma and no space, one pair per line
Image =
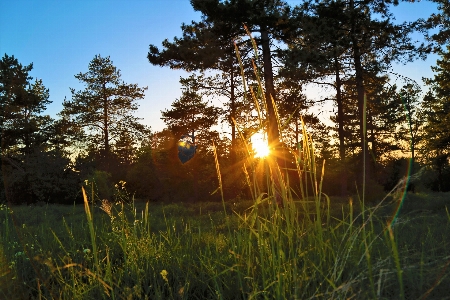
258,251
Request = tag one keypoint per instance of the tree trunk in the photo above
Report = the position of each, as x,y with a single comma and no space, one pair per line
411,186
105,130
362,115
340,119
26,138
232,115
359,78
273,135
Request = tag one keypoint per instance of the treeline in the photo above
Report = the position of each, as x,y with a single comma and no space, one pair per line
346,47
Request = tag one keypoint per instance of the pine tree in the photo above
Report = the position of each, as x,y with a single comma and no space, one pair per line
268,18
191,115
319,53
125,148
33,168
348,33
211,42
104,109
410,129
436,105
204,47
441,22
22,103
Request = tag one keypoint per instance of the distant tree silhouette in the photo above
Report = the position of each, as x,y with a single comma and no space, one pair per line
33,167
436,105
103,111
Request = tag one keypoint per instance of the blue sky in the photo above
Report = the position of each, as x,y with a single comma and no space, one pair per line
61,37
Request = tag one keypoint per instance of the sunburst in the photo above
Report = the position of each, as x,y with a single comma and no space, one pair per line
260,145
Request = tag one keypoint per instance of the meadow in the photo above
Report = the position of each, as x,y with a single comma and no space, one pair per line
332,249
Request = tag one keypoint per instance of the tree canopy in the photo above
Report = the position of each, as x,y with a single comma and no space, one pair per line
251,63
103,111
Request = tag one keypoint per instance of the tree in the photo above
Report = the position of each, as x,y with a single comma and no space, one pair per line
223,21
437,105
375,43
410,130
103,110
361,35
22,103
125,148
192,115
33,169
437,110
439,20
206,46
269,18
318,50
144,179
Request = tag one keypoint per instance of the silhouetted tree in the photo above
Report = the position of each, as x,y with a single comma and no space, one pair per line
208,46
355,43
22,103
192,115
33,168
104,109
436,105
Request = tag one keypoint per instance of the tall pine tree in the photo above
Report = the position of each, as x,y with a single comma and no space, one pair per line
437,108
22,103
103,111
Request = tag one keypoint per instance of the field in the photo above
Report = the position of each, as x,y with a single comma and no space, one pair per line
327,249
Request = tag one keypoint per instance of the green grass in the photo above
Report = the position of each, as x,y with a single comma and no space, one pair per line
187,251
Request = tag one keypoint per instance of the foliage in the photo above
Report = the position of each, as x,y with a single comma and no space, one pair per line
437,113
144,179
192,115
437,105
22,124
33,166
102,112
209,46
43,177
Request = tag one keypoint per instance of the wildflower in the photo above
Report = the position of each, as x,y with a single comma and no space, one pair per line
122,184
164,274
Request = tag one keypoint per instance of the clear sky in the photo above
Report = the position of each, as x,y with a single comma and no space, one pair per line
61,37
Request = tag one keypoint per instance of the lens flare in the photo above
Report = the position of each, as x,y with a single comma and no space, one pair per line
403,189
260,145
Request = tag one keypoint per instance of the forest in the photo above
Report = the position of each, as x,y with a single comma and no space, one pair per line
386,122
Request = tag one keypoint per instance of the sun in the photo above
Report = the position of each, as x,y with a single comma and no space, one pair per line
260,145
